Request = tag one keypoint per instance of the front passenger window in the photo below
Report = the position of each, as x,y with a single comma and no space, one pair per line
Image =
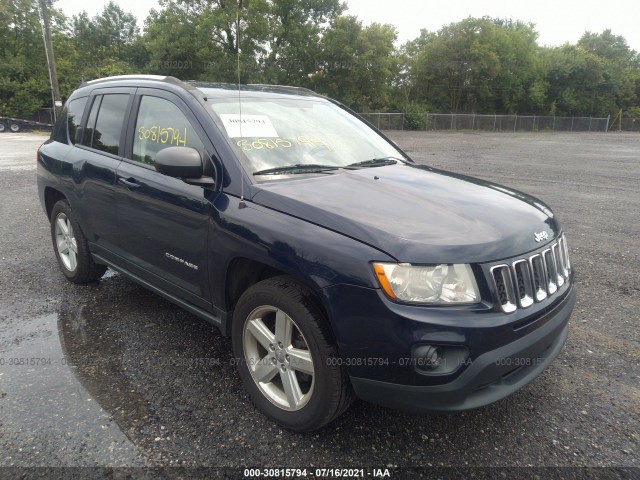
161,124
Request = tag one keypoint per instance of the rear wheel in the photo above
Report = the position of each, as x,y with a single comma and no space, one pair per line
286,356
3,127
71,246
14,127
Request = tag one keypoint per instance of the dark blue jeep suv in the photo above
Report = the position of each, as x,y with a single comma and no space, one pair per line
338,266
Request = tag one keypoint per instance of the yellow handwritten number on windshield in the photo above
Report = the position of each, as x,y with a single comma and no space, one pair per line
270,144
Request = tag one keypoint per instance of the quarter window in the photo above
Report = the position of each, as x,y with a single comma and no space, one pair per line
161,124
60,129
74,116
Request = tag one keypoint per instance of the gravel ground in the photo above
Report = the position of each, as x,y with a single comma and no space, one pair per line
127,379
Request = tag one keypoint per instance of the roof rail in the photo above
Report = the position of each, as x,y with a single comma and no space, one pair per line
157,78
252,86
284,88
193,84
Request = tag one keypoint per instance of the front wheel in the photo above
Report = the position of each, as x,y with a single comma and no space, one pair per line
285,353
71,246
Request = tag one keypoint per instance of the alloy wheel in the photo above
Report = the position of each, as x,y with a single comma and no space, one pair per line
66,242
278,358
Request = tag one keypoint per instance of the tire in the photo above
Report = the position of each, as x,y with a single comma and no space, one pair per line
15,127
283,315
71,247
3,127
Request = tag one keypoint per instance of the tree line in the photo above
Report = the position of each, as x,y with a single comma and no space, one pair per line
479,65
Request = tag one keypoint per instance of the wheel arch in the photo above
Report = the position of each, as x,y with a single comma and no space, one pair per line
51,197
243,272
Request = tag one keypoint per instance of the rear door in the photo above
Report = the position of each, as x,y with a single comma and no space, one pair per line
163,221
94,162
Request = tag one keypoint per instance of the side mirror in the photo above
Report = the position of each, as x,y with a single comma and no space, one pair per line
180,162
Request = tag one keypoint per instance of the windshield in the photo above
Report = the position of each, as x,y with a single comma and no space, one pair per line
280,131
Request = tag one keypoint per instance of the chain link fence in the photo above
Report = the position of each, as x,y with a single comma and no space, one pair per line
628,125
497,123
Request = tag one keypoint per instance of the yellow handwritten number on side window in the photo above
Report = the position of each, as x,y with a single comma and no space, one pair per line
163,135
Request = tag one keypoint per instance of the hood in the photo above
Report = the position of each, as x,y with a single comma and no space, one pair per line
417,214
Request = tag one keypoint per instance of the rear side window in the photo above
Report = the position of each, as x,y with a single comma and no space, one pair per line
74,116
161,124
104,126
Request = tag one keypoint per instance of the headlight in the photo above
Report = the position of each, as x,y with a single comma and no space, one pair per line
439,284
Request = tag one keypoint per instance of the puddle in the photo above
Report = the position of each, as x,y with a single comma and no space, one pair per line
47,415
119,377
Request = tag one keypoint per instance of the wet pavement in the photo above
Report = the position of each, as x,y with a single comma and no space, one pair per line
109,374
42,388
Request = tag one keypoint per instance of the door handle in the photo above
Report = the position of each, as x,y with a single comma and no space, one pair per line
130,184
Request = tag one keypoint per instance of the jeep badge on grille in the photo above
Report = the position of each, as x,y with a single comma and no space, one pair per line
541,236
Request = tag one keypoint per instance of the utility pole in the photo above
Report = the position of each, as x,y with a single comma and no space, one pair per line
51,59
620,127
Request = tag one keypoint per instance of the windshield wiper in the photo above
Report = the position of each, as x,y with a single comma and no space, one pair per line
375,162
298,168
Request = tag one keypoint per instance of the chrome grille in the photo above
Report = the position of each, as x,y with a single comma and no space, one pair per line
539,277
552,274
529,280
564,256
559,268
504,287
524,283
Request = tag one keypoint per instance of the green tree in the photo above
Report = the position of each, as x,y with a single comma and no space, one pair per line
278,39
107,44
198,39
478,64
574,77
24,85
621,75
295,30
598,76
172,40
356,64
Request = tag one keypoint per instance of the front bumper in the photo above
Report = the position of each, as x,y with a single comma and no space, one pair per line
502,360
490,377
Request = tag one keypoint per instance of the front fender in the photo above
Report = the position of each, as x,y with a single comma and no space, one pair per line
315,255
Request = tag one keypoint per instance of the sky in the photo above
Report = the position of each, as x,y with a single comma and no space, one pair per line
557,21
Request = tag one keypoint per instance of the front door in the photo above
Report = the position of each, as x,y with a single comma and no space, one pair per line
163,222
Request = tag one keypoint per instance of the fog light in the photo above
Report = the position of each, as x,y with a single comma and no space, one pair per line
439,359
427,356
